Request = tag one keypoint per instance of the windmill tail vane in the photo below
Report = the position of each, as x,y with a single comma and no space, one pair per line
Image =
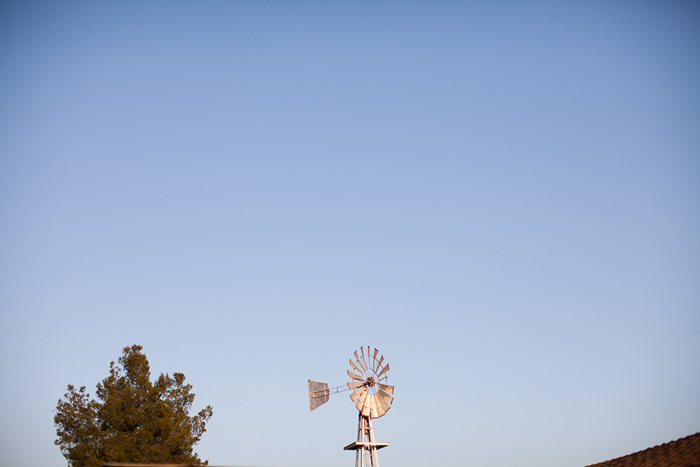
319,393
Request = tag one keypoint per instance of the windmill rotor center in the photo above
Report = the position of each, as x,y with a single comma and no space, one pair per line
370,382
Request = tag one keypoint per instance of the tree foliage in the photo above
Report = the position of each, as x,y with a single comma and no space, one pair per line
133,420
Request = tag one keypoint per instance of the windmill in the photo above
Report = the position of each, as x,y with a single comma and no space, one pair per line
372,397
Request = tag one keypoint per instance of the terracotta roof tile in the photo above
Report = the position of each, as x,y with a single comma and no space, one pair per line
684,452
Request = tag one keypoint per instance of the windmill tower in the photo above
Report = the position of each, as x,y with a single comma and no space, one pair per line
372,397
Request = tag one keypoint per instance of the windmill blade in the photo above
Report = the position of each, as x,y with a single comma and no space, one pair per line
356,384
365,412
373,408
354,376
354,366
361,400
379,363
380,410
356,394
382,406
362,355
368,401
387,388
384,370
364,368
386,397
374,360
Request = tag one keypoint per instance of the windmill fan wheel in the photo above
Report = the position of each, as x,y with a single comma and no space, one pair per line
372,395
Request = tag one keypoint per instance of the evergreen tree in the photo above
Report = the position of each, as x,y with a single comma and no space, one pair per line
133,421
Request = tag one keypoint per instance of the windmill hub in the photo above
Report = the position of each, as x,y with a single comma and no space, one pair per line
370,382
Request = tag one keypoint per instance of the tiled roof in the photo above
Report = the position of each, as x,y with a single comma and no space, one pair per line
684,452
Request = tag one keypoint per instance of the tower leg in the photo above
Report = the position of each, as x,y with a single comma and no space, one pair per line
365,456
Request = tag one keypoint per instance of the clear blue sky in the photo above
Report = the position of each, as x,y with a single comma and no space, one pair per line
503,197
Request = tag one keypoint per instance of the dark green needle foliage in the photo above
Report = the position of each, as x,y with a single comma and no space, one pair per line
133,420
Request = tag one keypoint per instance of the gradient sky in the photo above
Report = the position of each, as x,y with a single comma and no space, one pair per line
503,197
